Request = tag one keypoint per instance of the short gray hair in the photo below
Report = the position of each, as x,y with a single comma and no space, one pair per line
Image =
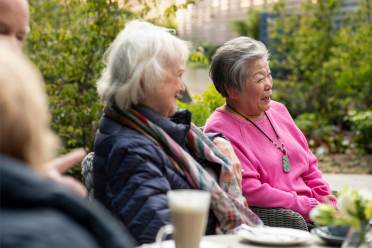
228,67
136,61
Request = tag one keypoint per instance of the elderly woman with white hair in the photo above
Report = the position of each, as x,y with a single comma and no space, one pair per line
144,147
280,171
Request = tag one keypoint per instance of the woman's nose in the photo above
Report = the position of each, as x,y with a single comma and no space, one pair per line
183,86
268,83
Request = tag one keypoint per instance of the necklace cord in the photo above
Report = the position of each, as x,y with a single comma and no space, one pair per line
282,148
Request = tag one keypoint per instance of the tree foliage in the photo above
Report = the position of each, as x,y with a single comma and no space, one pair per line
321,58
301,46
250,26
67,42
327,54
203,105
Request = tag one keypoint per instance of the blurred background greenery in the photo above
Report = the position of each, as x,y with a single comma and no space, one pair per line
322,71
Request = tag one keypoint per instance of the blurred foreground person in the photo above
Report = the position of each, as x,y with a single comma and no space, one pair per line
35,211
144,147
280,171
14,27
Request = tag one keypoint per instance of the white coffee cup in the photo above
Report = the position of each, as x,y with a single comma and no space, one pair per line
189,215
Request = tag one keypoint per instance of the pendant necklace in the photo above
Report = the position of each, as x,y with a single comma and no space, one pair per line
285,160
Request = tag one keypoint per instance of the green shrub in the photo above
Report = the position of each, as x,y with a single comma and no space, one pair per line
325,69
314,126
67,44
362,126
201,56
203,105
320,132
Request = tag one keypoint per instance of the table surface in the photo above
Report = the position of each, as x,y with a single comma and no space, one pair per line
234,241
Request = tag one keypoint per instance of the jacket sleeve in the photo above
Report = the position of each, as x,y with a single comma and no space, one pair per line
138,189
263,195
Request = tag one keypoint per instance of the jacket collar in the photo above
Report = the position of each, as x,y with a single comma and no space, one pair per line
177,126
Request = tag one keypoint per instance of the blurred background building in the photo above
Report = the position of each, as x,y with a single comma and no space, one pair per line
209,21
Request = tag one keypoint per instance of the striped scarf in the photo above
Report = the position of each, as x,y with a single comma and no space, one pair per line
227,202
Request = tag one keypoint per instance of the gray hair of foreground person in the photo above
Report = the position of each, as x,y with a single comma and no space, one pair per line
230,62
136,61
24,127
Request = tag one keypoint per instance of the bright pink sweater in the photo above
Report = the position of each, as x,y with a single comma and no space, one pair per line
265,184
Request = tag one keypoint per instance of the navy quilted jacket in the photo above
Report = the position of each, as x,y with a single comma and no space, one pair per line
132,174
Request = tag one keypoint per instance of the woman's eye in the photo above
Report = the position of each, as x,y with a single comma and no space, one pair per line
3,31
20,38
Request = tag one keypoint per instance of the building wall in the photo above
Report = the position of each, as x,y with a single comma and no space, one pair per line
209,21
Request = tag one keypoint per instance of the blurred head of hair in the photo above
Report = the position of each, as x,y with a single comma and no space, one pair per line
25,133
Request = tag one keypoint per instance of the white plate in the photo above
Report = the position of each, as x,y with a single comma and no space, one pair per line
278,236
170,244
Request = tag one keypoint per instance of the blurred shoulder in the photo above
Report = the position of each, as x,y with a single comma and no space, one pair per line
218,121
43,228
279,108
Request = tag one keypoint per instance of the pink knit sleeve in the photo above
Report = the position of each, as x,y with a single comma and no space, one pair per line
313,178
319,187
263,195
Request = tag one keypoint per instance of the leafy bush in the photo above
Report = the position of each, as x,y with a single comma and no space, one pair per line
203,105
67,43
250,26
313,125
198,59
315,128
201,55
291,95
322,57
362,125
320,132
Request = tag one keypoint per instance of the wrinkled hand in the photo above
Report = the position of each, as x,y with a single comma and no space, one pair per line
58,166
226,148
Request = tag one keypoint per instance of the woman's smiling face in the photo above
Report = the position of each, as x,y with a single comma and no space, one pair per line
255,96
163,97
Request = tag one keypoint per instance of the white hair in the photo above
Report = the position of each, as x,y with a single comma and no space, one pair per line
136,61
229,63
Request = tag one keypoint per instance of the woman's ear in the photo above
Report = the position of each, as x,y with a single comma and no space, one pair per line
232,93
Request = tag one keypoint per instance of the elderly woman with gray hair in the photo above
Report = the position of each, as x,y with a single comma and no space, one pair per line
280,171
144,147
